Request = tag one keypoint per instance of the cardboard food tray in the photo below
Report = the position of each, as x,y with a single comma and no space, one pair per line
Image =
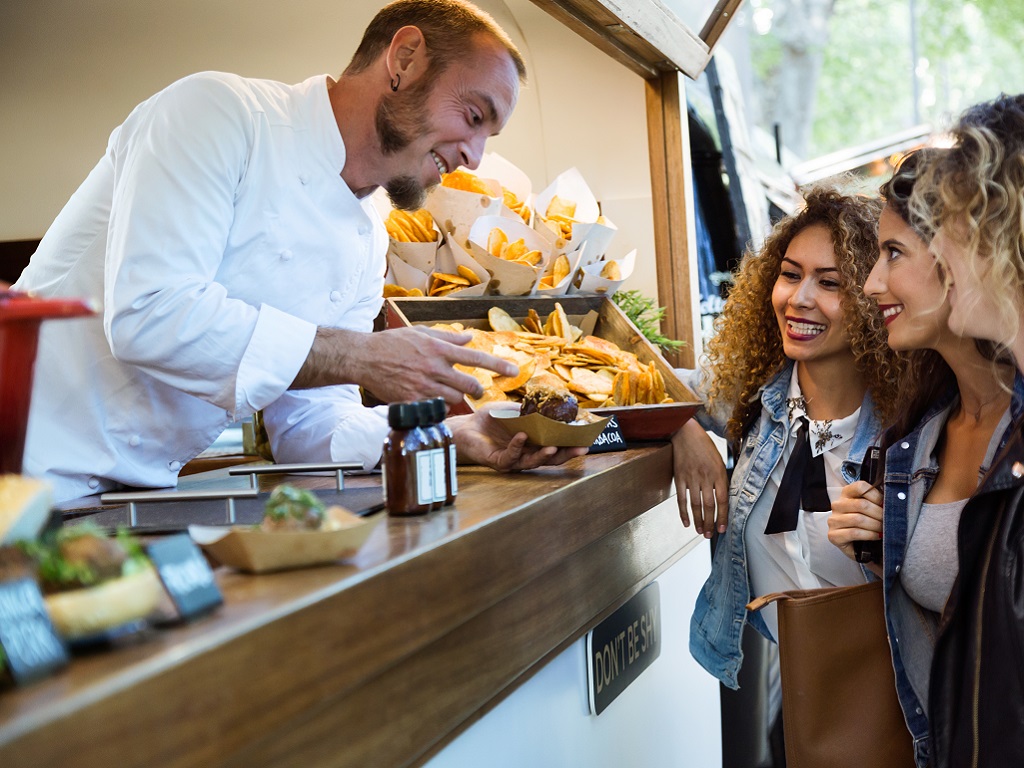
637,422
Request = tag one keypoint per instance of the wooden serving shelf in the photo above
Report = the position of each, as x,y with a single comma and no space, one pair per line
380,661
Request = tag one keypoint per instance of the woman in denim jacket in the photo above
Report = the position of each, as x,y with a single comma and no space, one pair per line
796,307
953,415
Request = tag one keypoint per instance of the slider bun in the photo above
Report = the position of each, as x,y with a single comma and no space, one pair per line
83,612
24,507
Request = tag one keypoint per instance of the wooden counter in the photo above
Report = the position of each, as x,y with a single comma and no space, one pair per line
378,662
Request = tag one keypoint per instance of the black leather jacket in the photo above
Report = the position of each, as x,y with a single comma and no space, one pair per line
976,698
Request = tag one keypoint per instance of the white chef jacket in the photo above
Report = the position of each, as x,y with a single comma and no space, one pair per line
803,558
217,233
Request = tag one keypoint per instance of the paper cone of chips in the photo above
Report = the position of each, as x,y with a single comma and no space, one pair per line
516,188
604,276
568,210
456,268
461,198
514,255
403,279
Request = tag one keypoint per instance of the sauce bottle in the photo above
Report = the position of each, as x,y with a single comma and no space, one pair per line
451,484
408,464
435,447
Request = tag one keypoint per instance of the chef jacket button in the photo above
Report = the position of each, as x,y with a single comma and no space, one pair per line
94,483
901,496
228,414
335,295
286,255
1017,469
134,441
364,229
174,466
904,445
303,178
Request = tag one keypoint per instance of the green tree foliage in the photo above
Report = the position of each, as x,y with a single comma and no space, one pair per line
967,51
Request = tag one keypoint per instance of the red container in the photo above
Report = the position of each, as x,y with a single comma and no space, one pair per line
20,316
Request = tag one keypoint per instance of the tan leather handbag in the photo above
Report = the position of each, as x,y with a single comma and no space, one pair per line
839,703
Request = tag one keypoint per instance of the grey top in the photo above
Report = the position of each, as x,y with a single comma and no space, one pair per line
930,566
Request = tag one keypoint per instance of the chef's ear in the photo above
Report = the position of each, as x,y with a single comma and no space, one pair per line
406,57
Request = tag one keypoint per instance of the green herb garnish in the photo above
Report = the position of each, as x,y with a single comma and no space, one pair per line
646,316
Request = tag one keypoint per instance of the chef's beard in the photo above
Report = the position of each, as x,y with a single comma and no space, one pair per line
406,192
400,118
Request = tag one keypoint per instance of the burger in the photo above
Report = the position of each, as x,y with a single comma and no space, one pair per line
547,396
91,582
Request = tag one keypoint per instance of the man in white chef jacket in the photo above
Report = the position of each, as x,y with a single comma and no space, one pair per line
228,231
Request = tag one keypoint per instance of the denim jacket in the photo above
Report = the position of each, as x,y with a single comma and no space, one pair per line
716,627
910,471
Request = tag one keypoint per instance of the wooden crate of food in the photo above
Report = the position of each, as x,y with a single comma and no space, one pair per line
638,422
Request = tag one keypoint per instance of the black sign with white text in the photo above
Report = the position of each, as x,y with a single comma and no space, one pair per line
622,646
186,575
32,649
610,439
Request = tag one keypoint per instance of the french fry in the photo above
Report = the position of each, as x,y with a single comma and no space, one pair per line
406,227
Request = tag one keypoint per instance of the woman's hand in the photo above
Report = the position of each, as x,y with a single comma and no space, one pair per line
699,470
856,516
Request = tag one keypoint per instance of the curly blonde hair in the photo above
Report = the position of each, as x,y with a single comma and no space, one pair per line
977,187
746,350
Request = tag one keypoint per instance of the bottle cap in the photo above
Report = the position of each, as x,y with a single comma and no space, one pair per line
403,415
440,411
426,413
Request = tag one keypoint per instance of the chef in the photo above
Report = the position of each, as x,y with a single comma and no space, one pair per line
228,232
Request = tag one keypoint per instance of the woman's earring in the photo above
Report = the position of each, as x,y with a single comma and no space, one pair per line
396,82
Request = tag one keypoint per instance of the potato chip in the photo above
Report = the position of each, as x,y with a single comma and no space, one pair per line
515,250
559,206
501,320
465,181
587,382
514,204
497,241
561,326
449,278
611,271
469,274
560,270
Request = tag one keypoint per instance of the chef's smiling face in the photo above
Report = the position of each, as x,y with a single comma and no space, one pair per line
434,125
807,300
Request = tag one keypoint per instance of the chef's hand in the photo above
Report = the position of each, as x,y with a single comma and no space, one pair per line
479,439
698,469
856,516
399,364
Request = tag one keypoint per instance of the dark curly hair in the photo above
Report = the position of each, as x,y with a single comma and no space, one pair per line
746,351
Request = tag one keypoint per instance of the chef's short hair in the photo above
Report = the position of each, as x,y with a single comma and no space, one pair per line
448,26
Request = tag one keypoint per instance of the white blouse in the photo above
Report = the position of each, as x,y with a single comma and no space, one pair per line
218,234
803,558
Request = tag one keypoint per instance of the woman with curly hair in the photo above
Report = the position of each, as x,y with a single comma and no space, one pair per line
975,199
953,414
799,377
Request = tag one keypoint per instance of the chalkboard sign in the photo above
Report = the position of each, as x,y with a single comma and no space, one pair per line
610,439
622,646
186,575
32,648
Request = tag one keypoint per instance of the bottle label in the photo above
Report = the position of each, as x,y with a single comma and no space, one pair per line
424,477
452,464
440,486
